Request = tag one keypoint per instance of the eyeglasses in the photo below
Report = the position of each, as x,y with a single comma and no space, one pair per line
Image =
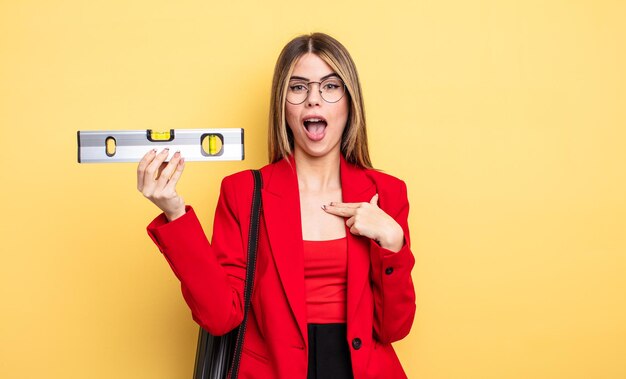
331,90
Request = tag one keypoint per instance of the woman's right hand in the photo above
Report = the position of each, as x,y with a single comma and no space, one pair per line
156,180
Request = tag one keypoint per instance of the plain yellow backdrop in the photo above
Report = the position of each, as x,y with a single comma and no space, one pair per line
507,120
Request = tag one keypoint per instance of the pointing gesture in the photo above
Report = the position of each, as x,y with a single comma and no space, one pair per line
368,220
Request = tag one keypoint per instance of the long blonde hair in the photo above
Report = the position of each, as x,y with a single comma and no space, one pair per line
354,138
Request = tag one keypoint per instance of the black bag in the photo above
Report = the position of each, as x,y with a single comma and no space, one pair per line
218,357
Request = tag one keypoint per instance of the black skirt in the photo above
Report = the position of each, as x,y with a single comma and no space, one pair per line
329,353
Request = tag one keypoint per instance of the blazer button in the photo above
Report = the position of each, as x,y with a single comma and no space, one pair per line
356,343
388,270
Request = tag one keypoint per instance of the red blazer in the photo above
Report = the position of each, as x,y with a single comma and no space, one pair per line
380,293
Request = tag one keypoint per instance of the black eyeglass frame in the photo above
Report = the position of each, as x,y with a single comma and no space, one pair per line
319,86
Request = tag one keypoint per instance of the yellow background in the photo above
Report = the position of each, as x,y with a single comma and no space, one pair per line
506,119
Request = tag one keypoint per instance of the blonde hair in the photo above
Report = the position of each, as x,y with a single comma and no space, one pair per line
354,138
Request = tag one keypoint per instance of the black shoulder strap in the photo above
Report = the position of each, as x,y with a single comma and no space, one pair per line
253,238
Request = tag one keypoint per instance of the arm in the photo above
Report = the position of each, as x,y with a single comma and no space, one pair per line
394,293
390,255
211,275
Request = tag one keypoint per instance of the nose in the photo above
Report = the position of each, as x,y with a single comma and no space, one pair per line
314,97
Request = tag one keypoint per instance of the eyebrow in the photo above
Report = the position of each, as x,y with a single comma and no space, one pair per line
332,74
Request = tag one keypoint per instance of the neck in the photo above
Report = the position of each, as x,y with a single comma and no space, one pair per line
318,173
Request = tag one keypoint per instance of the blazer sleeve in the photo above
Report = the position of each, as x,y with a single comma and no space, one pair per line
394,294
211,275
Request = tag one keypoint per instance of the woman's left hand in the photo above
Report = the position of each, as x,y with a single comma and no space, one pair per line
368,220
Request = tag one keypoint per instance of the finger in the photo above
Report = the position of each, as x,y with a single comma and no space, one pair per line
160,169
150,177
141,167
152,169
345,205
350,222
374,200
171,185
167,170
355,231
340,211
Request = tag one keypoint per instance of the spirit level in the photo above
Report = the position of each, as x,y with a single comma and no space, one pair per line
131,145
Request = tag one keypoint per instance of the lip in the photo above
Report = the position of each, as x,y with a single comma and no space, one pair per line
311,136
307,117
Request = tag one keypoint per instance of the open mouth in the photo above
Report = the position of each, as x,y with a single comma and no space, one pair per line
315,127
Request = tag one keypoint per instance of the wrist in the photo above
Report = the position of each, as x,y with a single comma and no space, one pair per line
393,240
171,216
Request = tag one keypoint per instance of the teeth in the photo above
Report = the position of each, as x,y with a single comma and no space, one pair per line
313,120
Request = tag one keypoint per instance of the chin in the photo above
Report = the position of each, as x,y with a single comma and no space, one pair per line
319,152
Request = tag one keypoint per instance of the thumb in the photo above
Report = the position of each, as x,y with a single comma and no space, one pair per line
374,200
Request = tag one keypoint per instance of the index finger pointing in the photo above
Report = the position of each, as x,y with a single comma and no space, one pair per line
345,205
340,211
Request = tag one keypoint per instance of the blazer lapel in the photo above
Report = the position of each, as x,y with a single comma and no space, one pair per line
281,211
356,187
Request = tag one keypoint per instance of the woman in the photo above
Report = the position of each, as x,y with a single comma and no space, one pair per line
333,282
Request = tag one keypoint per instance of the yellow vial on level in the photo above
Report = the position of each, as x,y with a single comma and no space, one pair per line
213,149
160,136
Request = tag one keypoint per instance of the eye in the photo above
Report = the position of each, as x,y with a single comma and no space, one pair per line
332,85
298,87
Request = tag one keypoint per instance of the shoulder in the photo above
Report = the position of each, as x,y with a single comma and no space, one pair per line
238,180
392,193
236,191
243,180
384,181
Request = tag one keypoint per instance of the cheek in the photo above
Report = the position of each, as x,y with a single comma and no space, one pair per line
291,116
342,112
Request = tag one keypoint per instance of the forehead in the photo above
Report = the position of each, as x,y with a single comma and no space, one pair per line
312,67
